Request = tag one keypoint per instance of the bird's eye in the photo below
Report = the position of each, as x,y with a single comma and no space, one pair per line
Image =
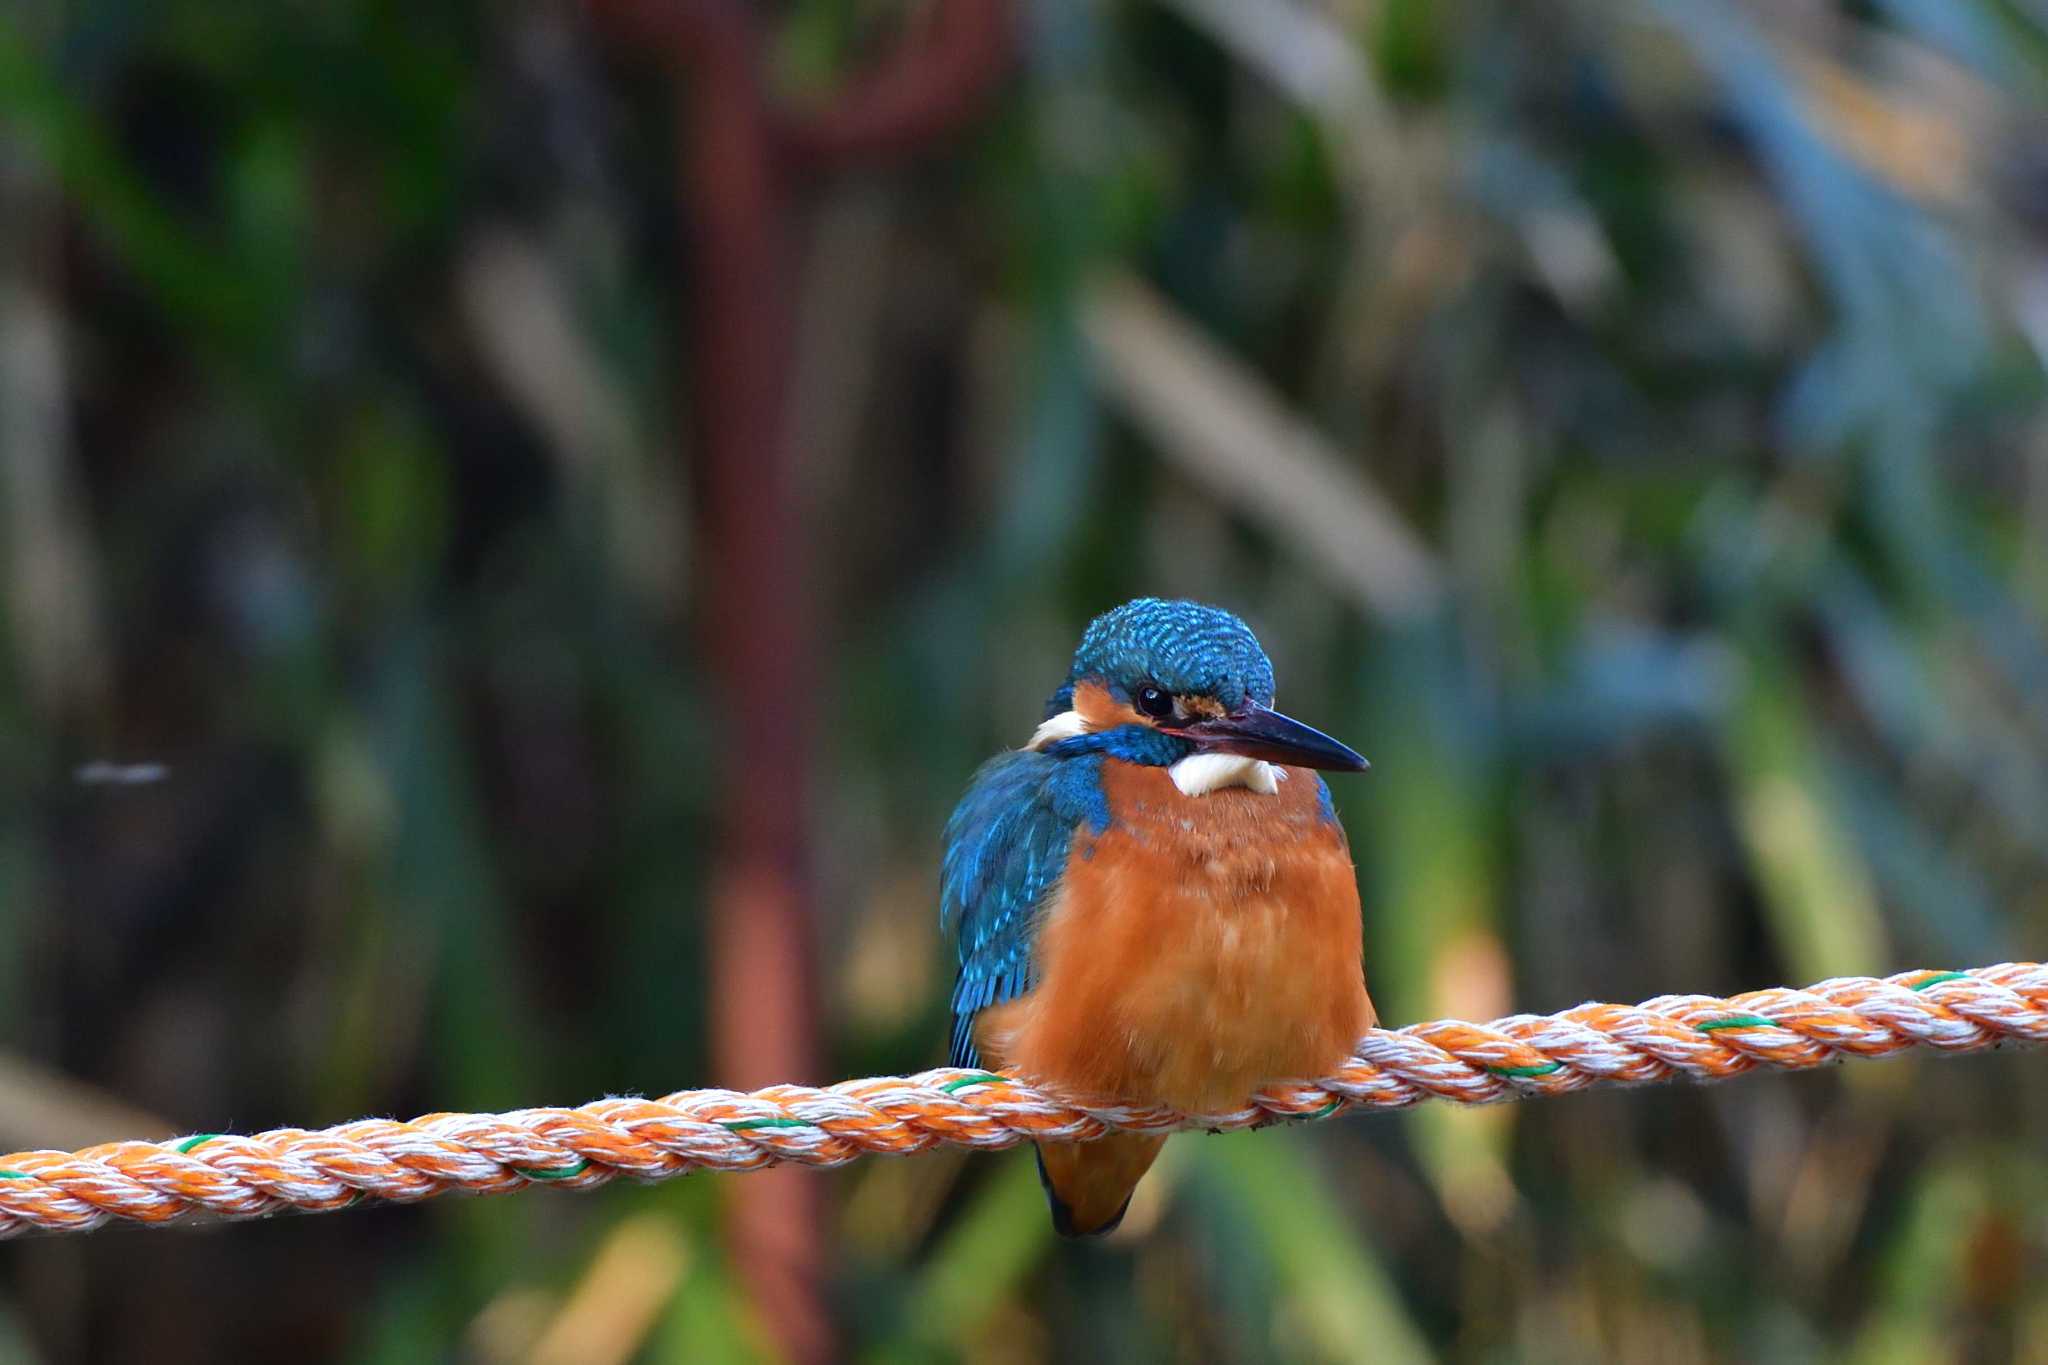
1155,703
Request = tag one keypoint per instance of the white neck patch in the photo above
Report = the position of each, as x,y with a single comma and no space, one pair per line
1200,774
1065,725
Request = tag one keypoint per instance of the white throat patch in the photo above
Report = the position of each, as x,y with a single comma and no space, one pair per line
1065,725
1200,774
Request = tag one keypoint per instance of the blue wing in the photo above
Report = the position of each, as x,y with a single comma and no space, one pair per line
1006,847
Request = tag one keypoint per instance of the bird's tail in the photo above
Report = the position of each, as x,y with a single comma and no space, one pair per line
1089,1184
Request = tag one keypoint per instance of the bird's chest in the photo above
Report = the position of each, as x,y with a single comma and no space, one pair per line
1198,946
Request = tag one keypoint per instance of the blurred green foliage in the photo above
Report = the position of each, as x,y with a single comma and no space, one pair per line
1689,356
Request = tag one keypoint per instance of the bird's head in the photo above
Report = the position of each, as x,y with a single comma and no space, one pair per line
1189,671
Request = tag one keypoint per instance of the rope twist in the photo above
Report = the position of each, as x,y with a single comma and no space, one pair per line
1521,1056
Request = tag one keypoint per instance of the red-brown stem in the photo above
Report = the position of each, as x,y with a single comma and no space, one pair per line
763,975
920,92
734,150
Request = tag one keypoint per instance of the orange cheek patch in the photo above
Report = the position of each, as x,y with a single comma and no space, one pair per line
1103,711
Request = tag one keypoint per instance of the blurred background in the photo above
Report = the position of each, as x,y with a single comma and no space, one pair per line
519,520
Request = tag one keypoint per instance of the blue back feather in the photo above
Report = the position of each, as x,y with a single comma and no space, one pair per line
1006,847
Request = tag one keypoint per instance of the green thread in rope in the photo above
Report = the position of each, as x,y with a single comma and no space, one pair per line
1738,1021
13,1175
741,1125
1332,1107
985,1078
1940,977
197,1140
1520,1072
557,1173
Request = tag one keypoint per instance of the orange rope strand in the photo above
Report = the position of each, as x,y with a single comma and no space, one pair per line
1524,1055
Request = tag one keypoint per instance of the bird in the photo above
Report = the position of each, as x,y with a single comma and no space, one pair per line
1152,900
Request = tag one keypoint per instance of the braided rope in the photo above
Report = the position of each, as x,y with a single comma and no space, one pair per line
1521,1056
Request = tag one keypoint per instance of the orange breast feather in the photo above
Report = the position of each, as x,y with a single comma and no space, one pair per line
1197,948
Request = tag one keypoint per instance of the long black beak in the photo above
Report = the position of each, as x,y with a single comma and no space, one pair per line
1260,732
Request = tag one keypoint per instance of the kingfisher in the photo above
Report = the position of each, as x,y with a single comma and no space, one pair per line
1152,900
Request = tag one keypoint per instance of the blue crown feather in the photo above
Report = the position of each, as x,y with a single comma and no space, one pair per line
1185,647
